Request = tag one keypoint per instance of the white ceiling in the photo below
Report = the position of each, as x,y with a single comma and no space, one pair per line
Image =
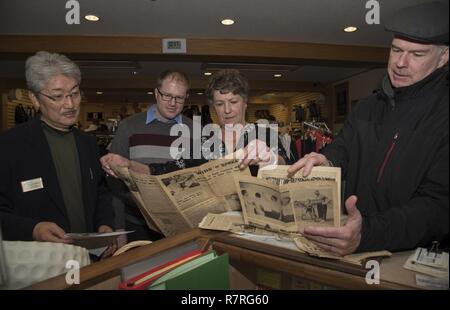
309,21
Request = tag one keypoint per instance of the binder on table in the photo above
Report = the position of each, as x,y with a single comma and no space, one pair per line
143,280
156,260
206,272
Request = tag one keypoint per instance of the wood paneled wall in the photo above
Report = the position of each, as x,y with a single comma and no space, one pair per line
150,47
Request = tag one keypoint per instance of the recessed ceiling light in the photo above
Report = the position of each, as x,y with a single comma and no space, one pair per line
135,72
99,93
149,93
227,22
277,75
207,73
92,18
199,93
350,29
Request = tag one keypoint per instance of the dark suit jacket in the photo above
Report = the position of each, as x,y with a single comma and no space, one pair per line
25,155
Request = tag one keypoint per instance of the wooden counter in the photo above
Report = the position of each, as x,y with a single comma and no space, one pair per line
252,265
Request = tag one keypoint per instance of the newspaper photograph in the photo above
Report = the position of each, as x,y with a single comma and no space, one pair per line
263,204
183,188
278,175
315,203
288,207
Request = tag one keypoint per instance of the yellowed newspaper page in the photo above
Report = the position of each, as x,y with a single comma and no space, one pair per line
197,212
278,175
356,259
125,176
159,206
228,221
219,174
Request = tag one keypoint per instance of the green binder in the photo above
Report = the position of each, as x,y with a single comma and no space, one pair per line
207,272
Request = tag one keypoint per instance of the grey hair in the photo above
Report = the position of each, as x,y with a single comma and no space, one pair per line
43,66
227,81
442,48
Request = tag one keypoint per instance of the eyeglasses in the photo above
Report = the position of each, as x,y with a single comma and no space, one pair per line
167,97
75,96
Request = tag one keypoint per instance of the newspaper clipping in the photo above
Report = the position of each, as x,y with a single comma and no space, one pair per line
274,207
173,203
278,203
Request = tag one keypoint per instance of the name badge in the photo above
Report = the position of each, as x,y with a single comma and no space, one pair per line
32,185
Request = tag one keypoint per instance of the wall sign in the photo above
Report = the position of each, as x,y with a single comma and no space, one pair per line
174,46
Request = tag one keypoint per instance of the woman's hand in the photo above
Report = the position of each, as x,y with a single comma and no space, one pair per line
258,153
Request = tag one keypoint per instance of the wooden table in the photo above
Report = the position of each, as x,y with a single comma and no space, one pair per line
252,265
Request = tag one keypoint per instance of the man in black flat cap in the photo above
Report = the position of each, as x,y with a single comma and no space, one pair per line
393,149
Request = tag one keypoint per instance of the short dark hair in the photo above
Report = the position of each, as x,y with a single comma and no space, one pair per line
227,81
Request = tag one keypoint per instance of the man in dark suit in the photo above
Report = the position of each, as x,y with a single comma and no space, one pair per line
51,181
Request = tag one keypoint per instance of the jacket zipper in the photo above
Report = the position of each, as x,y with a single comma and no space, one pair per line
386,158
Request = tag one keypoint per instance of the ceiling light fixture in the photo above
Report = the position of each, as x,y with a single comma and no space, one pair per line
92,18
99,93
350,29
227,22
149,93
199,93
277,75
207,73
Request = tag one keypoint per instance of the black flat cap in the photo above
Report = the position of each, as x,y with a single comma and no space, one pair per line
426,23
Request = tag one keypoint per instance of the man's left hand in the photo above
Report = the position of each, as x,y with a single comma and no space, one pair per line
338,240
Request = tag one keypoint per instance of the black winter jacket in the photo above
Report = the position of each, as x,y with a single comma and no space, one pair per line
393,151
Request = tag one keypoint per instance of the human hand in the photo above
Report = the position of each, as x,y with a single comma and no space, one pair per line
138,167
308,162
258,153
114,159
49,231
338,240
112,247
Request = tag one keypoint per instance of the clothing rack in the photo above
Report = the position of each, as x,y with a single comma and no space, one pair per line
320,126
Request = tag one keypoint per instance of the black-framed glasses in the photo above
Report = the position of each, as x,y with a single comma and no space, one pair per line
167,97
75,96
